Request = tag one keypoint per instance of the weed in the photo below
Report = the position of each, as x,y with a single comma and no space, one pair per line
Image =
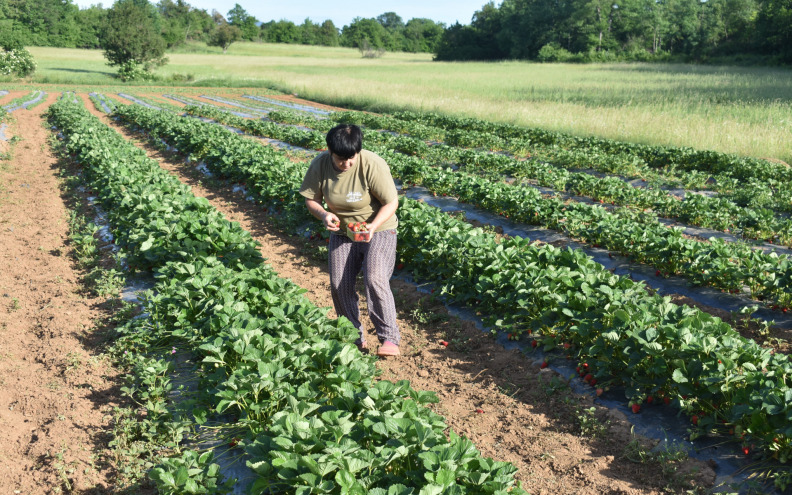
590,425
14,305
425,317
106,283
64,470
667,456
554,385
461,344
83,240
73,362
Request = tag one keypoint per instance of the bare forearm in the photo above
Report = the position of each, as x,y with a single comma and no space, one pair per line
316,209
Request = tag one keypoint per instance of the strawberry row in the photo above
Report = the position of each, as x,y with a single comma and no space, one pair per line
720,212
768,192
296,390
728,266
717,213
512,137
622,333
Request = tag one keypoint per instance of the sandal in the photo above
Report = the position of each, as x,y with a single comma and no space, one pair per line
388,348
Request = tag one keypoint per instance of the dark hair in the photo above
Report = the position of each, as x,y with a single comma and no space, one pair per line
345,140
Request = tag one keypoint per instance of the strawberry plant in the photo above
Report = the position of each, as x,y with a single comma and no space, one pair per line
625,334
305,407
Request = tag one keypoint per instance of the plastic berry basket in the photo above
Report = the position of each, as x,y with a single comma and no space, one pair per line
360,236
358,232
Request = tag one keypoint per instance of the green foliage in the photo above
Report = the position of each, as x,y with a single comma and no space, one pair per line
17,62
132,70
631,30
368,31
284,31
181,22
246,23
132,40
622,333
774,22
224,35
190,473
303,397
551,52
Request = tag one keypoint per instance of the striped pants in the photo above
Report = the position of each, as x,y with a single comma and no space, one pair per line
376,259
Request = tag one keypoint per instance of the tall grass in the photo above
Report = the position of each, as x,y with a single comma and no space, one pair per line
740,110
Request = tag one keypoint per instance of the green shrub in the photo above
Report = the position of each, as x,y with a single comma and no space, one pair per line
552,52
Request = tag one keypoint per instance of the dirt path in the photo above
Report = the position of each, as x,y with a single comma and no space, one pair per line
530,418
56,394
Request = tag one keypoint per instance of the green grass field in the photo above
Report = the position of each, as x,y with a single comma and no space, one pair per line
741,110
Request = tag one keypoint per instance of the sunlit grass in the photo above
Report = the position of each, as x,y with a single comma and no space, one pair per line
741,110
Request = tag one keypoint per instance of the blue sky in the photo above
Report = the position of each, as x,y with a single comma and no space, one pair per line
341,13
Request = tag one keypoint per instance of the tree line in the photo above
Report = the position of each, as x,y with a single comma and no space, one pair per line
61,23
611,30
136,33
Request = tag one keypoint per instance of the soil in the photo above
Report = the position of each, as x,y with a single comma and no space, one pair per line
56,390
530,417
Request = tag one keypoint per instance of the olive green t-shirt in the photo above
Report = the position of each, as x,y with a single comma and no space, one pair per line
355,195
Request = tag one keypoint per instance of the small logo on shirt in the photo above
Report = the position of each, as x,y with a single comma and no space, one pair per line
354,197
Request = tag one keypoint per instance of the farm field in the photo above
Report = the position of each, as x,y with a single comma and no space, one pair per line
728,109
511,407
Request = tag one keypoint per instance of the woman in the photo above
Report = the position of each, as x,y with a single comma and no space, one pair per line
357,186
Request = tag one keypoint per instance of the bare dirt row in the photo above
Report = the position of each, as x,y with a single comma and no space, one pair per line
56,390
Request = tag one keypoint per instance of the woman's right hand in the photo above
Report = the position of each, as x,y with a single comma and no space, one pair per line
332,222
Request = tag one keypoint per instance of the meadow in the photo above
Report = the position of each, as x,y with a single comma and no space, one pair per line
741,110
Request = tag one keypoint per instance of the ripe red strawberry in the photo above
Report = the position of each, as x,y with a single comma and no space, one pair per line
649,399
567,345
694,420
667,400
593,382
746,450
534,344
543,365
479,410
588,377
657,273
599,392
444,343
636,408
585,365
400,266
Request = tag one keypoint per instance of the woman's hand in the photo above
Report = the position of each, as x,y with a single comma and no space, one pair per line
332,222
